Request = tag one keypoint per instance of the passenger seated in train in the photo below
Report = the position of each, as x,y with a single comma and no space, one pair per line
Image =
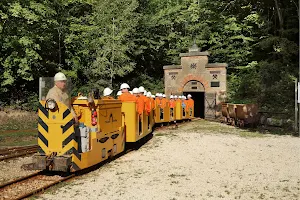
183,105
140,105
107,94
191,104
172,106
126,96
118,94
162,105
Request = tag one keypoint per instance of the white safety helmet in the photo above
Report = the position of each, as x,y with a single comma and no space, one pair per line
179,97
164,96
60,77
189,95
119,93
184,97
157,94
107,91
141,89
124,86
153,96
171,97
160,95
149,94
135,91
175,97
145,92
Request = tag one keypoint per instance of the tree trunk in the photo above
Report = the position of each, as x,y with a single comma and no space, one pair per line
279,16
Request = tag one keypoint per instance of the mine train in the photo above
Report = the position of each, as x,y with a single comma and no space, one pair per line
105,127
240,114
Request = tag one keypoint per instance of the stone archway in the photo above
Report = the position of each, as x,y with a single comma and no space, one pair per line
190,78
205,101
193,86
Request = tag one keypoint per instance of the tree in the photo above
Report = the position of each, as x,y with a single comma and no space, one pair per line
105,41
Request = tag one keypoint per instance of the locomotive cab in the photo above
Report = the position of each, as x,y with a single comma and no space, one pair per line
66,146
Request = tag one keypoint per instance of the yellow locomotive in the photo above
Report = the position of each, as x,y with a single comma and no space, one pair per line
104,128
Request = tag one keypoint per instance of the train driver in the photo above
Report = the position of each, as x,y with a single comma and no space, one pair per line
59,93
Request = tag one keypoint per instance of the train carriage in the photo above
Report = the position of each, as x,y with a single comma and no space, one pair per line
136,127
104,128
162,115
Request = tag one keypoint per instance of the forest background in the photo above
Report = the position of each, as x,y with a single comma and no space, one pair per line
100,43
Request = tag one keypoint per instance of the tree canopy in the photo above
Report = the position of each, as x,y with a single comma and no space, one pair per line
100,43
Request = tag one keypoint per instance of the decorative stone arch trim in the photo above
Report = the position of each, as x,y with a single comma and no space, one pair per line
191,77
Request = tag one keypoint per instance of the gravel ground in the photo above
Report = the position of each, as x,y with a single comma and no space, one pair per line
11,169
200,160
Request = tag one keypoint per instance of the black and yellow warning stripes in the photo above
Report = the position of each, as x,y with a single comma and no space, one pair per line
43,110
66,113
69,143
57,127
42,128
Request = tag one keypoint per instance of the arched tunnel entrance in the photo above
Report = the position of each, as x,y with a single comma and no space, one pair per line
196,89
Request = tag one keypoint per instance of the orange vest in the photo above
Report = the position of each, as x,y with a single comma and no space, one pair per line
172,103
140,105
146,103
152,103
158,102
163,103
190,103
127,97
186,104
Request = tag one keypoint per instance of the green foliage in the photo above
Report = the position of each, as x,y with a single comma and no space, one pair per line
104,43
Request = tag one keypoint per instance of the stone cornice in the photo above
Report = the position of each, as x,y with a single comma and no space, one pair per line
172,67
216,65
194,53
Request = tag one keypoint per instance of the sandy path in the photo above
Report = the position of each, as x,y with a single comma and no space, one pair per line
197,163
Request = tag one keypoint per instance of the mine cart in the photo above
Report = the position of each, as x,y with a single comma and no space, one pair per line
225,114
246,114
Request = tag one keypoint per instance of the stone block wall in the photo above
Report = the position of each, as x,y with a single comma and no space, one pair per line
195,74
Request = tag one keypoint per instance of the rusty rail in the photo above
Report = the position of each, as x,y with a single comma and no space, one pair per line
9,153
30,185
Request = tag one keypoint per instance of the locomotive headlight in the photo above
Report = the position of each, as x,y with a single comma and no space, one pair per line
51,104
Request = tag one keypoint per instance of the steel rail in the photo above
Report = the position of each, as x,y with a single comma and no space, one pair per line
21,194
11,189
9,153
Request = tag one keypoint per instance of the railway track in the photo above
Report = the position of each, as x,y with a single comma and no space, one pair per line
30,185
37,182
9,153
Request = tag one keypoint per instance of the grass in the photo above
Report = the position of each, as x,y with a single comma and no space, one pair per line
203,126
18,120
18,128
19,138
